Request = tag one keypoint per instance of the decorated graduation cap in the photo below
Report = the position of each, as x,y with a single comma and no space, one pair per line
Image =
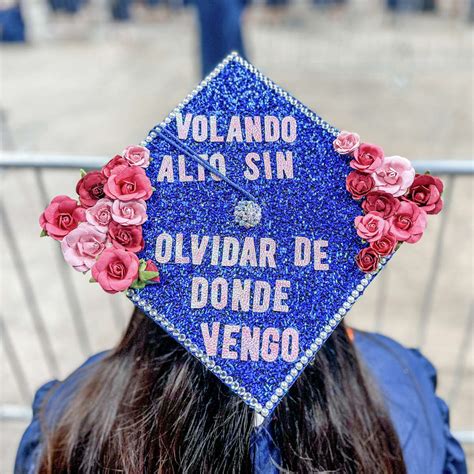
244,225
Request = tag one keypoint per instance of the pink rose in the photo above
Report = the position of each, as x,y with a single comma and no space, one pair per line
359,184
129,213
117,160
100,215
367,260
82,246
385,246
426,192
128,184
371,226
409,222
151,267
126,237
382,203
115,270
61,217
90,188
367,158
395,176
346,142
137,155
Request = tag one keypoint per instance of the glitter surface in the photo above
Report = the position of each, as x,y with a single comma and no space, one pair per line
314,204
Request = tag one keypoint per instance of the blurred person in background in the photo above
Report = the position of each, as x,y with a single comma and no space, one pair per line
67,6
412,5
366,405
324,3
12,26
220,30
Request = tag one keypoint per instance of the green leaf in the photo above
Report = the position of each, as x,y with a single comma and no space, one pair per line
147,275
428,172
138,285
43,233
153,188
142,265
92,280
83,172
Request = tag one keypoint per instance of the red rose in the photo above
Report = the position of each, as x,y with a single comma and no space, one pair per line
359,184
151,267
117,160
367,158
409,223
115,270
90,188
426,192
128,183
382,203
385,246
61,216
126,237
367,260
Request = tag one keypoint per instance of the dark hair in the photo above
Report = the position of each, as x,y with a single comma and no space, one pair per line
150,407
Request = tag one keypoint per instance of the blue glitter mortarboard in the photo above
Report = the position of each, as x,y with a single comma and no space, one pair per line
254,304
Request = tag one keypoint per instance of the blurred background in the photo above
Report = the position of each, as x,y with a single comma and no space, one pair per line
80,79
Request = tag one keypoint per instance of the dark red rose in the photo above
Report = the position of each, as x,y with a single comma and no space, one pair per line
367,260
385,246
426,192
382,203
126,237
117,160
127,183
61,216
90,188
151,267
359,184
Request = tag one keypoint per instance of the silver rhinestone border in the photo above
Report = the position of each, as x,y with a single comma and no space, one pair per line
309,354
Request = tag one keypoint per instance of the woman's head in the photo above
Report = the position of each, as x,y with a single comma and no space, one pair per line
149,406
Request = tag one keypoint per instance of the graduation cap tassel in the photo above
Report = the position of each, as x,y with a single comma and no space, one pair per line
247,212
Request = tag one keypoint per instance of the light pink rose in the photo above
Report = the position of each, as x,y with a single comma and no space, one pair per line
408,223
346,142
130,212
395,176
137,155
371,226
82,246
116,270
100,215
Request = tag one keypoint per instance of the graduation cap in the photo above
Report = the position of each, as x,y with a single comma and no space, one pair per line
246,226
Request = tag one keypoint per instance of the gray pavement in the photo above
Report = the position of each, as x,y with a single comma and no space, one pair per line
89,87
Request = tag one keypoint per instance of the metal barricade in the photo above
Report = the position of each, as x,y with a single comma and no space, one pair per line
40,164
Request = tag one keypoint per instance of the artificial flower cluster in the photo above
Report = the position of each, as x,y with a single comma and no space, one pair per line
102,232
395,199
